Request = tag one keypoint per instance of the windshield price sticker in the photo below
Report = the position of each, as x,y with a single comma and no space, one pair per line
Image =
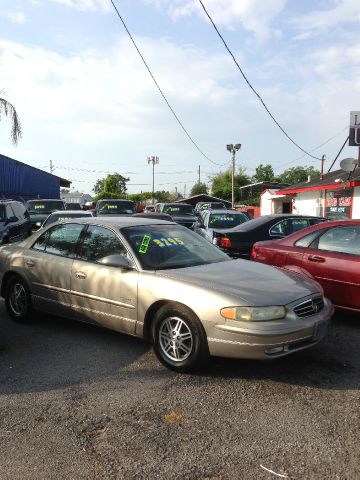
144,244
222,219
112,206
39,207
168,242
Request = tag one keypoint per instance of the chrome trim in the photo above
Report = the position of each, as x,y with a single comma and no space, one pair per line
86,309
84,295
232,342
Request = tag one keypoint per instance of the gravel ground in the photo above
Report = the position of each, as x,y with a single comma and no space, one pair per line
78,402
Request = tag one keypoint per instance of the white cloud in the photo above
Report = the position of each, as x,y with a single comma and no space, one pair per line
83,5
17,17
318,21
253,15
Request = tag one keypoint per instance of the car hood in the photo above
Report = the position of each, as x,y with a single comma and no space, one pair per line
255,283
38,217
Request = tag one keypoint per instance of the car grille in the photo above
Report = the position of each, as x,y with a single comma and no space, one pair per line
309,307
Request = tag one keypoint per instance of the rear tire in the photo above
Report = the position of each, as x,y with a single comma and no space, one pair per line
18,300
179,339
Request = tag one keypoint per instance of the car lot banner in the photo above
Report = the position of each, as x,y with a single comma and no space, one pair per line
338,203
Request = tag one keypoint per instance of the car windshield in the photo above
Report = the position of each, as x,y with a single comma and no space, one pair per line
60,217
178,209
211,206
114,207
226,220
160,247
44,207
2,213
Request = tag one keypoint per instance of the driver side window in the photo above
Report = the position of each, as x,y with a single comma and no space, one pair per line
98,243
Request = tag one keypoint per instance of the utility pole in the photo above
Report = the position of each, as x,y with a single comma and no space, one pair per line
233,149
154,160
199,173
322,167
52,168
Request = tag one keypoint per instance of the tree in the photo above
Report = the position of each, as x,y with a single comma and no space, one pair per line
221,184
199,188
298,174
8,110
113,186
264,173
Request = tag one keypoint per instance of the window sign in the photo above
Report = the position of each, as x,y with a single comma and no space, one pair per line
338,204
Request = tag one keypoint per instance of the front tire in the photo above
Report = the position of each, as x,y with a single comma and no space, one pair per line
18,300
179,339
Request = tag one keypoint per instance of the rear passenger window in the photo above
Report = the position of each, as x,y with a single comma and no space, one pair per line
63,240
100,242
280,229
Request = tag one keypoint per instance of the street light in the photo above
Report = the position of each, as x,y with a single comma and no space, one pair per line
154,160
233,149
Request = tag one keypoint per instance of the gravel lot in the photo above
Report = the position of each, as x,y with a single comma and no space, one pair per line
77,402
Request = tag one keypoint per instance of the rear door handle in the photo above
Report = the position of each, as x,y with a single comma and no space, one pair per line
81,275
316,258
30,263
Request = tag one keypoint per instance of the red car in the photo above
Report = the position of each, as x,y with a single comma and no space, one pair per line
328,252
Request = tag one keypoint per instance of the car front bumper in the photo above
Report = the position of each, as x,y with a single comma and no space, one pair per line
226,339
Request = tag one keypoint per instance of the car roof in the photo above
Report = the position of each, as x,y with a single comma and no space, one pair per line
223,211
66,212
260,221
120,221
46,200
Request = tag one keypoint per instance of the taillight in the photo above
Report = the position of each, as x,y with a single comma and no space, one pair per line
225,242
254,252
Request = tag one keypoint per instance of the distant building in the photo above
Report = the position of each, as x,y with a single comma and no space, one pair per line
336,195
203,197
76,197
23,182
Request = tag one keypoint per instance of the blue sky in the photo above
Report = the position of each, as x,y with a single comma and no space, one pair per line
87,103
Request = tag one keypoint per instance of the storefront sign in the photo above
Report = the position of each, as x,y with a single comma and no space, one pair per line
338,204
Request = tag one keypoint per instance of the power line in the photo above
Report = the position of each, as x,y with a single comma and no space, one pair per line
160,90
252,88
316,148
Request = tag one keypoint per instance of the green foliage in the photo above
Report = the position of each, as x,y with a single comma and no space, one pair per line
105,194
199,188
8,110
264,173
113,186
221,184
159,196
298,174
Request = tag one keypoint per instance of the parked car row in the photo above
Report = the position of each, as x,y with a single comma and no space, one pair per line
146,275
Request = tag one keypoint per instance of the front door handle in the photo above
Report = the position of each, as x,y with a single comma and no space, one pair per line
30,263
316,258
80,275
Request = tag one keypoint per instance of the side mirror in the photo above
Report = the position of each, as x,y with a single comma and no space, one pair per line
116,261
199,224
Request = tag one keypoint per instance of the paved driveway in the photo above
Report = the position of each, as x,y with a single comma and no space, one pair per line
77,402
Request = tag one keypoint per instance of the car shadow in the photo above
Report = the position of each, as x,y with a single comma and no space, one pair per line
54,353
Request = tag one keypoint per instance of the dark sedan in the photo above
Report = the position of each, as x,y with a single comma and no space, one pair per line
211,222
238,242
328,253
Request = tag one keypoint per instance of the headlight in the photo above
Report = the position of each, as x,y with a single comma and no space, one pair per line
253,314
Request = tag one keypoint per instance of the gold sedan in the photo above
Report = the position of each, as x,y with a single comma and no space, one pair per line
161,281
